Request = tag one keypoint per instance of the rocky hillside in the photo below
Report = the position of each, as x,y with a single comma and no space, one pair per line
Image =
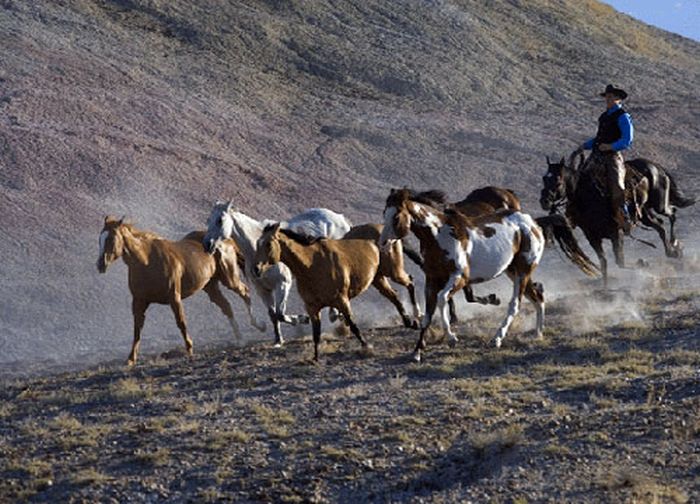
154,109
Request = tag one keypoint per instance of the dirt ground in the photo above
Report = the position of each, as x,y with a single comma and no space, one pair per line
610,414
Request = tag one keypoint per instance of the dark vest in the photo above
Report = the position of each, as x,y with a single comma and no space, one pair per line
608,130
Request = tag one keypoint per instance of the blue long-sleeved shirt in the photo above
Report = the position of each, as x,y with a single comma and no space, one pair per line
624,122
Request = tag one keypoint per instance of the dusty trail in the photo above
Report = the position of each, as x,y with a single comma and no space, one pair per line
604,412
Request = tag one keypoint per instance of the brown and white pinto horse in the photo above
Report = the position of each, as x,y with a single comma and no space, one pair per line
391,267
460,251
329,273
166,272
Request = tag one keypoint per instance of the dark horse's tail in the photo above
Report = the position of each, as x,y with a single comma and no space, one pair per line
678,199
558,227
413,254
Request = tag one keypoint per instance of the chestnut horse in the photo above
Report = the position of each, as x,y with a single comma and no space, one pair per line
329,273
391,267
166,272
459,251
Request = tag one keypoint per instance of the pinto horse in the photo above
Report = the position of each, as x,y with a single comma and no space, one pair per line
166,272
329,273
588,207
460,251
274,285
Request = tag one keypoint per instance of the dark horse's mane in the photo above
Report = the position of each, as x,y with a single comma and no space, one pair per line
432,197
299,237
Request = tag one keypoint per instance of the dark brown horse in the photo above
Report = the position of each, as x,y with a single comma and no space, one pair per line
588,206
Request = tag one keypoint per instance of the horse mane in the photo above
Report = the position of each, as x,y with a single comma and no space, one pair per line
298,237
140,233
432,197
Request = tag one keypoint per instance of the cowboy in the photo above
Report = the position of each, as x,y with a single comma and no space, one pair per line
615,133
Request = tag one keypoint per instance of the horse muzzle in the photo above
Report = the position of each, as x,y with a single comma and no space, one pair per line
258,270
101,265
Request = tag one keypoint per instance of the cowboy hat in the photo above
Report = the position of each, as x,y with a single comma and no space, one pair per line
620,93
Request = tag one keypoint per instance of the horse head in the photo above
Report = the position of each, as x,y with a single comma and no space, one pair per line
111,243
219,225
554,185
397,217
268,251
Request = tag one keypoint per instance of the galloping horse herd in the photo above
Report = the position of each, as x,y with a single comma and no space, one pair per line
461,244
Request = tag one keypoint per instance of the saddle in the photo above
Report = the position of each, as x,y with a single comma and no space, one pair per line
636,184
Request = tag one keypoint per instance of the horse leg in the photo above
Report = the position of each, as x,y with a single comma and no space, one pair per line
597,245
406,280
345,308
179,312
315,317
453,285
269,300
535,293
618,250
519,284
216,297
430,304
491,299
138,308
381,283
453,310
655,222
281,294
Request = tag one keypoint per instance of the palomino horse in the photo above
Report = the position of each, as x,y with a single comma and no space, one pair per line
329,273
587,206
391,266
459,251
166,272
274,285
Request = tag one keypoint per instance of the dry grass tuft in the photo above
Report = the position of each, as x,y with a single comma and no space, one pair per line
642,487
497,441
157,458
89,476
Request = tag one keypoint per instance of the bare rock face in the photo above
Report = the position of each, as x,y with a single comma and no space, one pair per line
154,110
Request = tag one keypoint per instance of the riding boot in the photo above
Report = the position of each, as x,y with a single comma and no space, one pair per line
616,183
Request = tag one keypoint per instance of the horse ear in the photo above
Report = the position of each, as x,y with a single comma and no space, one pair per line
563,161
548,161
230,205
121,221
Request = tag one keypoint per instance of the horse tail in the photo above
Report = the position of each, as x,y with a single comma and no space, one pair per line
677,198
557,226
413,254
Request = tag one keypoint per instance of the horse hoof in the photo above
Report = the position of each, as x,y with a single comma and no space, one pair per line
494,300
130,362
498,342
416,357
415,325
452,342
304,319
367,350
642,263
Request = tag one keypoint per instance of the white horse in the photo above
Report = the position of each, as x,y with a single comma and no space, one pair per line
274,285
